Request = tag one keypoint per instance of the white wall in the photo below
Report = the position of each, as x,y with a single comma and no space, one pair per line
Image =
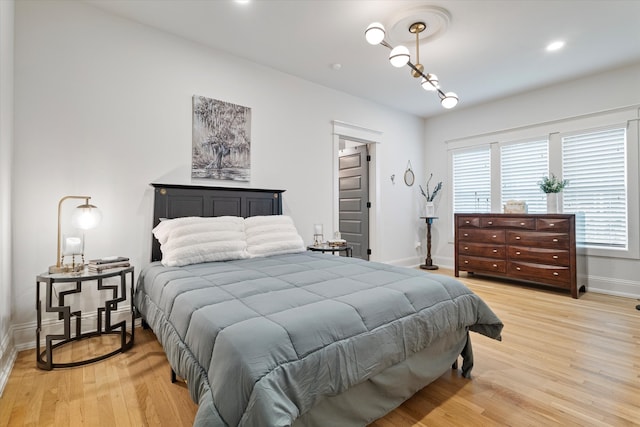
103,108
606,91
7,352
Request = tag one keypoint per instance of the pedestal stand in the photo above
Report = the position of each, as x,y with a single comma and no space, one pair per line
428,263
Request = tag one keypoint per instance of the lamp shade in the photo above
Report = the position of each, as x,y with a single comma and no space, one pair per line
449,100
399,56
86,217
431,84
374,33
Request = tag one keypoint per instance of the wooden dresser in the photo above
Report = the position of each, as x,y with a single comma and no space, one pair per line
534,248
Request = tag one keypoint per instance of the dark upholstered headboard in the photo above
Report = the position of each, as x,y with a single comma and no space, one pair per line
175,201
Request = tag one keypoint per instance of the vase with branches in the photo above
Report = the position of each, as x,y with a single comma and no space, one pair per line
430,196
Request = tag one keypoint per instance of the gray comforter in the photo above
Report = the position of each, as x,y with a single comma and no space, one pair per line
261,340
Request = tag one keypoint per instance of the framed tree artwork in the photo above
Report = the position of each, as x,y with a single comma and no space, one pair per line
221,140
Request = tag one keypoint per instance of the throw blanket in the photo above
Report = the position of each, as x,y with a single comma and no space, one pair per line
261,340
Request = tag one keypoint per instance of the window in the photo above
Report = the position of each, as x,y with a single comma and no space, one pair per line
597,153
522,166
595,165
472,180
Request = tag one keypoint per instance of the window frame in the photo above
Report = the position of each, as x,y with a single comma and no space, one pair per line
632,159
452,178
540,139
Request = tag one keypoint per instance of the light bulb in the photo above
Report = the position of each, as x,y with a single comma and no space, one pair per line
430,86
86,217
399,56
374,33
450,100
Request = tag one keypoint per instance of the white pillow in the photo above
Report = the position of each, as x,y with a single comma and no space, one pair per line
162,230
193,240
272,235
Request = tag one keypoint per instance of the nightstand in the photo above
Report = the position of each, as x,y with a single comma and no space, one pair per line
83,280
348,250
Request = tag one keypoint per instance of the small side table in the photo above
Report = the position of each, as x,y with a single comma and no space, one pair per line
348,250
44,358
428,263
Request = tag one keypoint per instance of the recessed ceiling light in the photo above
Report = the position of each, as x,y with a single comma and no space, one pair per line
242,1
336,66
553,46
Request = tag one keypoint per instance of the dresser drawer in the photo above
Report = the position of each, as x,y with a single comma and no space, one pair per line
485,265
481,236
482,249
539,255
553,224
508,222
468,221
538,239
553,275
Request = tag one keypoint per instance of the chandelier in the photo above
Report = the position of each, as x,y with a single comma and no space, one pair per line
399,57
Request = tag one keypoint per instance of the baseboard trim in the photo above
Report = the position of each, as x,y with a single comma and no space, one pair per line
404,262
8,355
615,287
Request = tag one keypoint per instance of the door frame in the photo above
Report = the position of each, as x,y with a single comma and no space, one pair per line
370,137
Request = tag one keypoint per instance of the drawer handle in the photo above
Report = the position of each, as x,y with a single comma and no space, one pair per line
490,222
555,273
494,236
466,234
517,237
522,223
466,248
518,268
495,265
551,225
518,253
467,222
466,262
495,251
555,240
555,257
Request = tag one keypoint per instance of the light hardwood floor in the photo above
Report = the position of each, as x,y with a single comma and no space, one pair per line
562,362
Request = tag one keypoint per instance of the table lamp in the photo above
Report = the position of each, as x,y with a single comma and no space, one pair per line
84,217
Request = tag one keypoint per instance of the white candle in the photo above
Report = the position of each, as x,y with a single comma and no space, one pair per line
318,228
73,245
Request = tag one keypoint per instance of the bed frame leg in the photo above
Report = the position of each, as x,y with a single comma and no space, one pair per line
145,325
455,364
173,376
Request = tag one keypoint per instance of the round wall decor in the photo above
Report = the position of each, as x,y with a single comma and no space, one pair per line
409,177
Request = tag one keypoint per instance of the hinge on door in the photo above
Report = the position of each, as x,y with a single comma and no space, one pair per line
368,157
368,204
368,251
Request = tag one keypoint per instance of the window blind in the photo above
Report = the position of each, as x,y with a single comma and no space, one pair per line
595,165
522,166
472,180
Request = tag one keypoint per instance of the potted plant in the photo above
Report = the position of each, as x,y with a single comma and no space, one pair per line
430,197
551,186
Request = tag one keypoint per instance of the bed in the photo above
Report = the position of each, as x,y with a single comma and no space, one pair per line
273,335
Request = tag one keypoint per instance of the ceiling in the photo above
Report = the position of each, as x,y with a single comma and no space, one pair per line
490,49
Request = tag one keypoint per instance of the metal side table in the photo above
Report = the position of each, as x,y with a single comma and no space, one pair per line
44,357
324,247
